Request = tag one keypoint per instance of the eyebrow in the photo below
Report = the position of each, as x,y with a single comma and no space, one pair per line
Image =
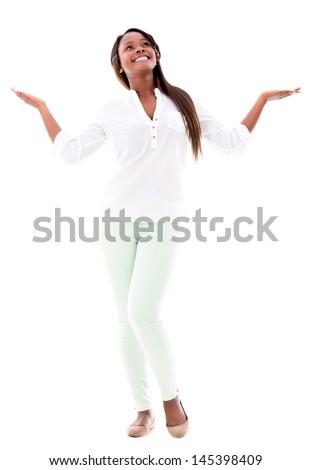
142,39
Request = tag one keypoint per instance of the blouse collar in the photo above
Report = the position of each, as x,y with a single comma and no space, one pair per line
157,92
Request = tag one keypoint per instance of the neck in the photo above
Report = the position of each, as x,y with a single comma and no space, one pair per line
144,86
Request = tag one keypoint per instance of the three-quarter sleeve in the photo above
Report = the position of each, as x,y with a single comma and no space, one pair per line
72,149
229,139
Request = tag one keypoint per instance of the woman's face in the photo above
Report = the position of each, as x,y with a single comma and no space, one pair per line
136,54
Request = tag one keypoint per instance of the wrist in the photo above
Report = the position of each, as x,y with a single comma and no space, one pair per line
263,98
42,107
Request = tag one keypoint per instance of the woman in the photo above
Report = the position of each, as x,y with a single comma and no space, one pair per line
151,128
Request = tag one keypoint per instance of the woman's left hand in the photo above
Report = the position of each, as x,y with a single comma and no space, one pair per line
252,117
278,94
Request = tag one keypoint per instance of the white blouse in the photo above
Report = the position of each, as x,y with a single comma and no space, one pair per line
150,153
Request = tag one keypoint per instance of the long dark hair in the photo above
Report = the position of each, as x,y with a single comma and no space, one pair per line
180,97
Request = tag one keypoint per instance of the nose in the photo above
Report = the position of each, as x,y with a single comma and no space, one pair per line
139,49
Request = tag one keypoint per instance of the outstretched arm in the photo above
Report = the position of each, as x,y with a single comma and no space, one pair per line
51,125
252,117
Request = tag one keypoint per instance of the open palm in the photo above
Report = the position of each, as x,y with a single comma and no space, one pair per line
29,99
279,94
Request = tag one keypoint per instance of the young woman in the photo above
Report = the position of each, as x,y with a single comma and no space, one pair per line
151,128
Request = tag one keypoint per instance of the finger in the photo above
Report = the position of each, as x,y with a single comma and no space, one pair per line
283,94
295,90
20,94
17,93
288,92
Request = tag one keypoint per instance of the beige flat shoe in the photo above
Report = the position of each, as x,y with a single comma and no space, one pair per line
135,430
181,429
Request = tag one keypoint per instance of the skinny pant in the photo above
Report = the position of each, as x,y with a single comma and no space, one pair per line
139,273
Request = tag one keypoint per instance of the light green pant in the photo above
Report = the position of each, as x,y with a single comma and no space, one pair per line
139,273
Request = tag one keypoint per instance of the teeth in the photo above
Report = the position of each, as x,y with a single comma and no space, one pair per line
141,58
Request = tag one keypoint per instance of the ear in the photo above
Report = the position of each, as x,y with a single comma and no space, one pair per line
121,70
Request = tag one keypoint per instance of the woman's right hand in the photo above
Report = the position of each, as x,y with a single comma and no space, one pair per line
29,99
51,125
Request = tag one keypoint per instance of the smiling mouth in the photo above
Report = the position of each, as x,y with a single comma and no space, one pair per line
141,58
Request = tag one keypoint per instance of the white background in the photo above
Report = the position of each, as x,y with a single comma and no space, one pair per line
237,312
